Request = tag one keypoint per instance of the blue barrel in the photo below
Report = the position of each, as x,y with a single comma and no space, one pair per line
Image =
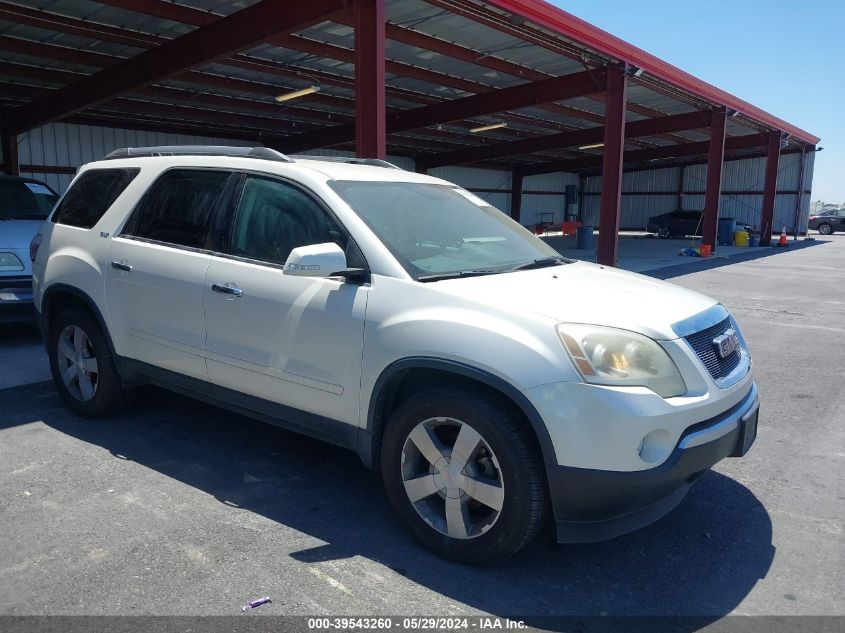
584,237
754,240
727,227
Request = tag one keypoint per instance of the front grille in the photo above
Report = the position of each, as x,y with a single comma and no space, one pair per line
15,282
702,343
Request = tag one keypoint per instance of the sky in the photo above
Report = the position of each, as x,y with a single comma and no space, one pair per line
783,56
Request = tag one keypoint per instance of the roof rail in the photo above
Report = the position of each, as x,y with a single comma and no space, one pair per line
199,150
372,162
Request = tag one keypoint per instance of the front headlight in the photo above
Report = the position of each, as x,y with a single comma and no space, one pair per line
10,262
607,356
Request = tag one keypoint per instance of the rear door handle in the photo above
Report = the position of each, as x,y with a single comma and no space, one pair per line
122,266
227,290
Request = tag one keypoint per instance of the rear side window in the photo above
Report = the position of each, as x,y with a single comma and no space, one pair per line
91,196
179,206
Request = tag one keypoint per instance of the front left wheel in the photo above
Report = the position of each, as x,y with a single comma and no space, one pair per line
82,365
463,472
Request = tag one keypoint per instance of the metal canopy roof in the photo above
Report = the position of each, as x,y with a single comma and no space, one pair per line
436,51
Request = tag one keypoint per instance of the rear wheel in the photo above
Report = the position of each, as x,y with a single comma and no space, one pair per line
663,233
825,228
83,367
463,473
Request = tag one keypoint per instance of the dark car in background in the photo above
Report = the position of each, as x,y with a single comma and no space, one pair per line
24,205
675,224
683,223
828,221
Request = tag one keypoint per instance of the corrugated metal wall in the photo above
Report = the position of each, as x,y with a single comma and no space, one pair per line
738,176
66,145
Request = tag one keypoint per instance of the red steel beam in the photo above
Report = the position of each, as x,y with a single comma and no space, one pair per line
713,188
483,15
770,189
566,87
516,195
559,21
239,31
370,130
614,146
83,28
9,144
748,141
644,127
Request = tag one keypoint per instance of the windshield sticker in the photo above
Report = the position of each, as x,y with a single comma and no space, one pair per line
473,198
35,187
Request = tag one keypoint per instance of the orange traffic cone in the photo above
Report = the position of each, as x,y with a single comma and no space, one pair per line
782,241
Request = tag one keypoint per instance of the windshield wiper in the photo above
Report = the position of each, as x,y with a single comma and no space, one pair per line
543,263
458,275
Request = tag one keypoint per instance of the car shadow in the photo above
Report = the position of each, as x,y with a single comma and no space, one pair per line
715,261
701,560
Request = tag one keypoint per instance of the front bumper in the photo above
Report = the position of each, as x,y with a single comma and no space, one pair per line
595,505
16,299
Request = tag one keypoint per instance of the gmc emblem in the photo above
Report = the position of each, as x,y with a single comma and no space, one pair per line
727,343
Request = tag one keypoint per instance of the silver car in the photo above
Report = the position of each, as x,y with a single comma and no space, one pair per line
24,205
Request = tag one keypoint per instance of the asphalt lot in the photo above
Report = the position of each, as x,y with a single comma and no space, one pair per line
176,507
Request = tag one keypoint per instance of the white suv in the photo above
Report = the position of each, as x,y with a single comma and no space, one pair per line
489,379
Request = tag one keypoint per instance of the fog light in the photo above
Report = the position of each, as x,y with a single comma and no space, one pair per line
655,446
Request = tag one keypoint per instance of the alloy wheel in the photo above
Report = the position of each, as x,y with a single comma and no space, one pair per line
77,363
452,477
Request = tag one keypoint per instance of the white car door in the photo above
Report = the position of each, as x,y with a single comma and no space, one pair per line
157,269
292,340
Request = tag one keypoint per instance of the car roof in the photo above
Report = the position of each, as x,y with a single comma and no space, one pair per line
326,169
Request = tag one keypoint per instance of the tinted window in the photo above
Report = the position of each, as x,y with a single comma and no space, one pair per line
178,207
273,218
25,200
91,196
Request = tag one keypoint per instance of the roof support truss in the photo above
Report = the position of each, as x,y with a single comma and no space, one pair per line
635,129
523,95
224,36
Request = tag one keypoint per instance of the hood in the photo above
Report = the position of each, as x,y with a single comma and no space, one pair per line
18,233
587,293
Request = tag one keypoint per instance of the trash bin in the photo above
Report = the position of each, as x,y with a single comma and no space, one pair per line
754,240
741,238
727,228
584,237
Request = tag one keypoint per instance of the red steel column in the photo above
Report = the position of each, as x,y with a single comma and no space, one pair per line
9,142
713,190
370,135
516,195
770,189
614,146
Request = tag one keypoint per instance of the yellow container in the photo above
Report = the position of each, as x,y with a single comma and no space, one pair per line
741,238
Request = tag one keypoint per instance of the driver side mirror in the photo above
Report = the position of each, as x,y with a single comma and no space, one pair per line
320,260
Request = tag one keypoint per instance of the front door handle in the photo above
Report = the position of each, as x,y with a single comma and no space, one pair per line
227,290
122,266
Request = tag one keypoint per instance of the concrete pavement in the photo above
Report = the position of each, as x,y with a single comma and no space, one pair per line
175,507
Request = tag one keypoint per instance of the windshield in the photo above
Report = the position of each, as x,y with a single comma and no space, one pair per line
22,200
440,229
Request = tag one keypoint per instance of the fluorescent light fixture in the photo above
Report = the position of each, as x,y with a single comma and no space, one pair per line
492,126
593,146
298,93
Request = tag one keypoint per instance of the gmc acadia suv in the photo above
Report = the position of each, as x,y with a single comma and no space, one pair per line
489,379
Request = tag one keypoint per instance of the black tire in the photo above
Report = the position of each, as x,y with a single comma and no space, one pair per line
110,394
515,452
664,233
825,229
